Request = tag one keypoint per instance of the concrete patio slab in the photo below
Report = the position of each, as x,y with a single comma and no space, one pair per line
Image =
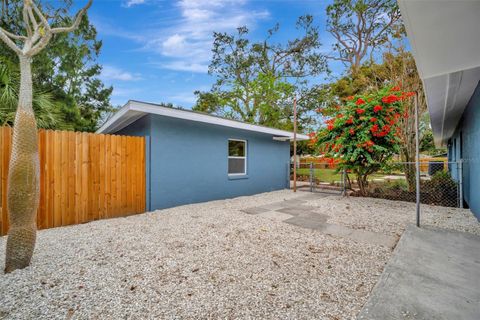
294,202
274,215
298,210
295,212
434,274
310,221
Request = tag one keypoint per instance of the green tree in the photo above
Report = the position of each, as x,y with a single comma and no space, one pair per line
363,134
256,81
46,110
23,192
397,68
360,27
67,70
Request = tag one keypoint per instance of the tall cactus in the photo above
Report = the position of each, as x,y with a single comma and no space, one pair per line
23,191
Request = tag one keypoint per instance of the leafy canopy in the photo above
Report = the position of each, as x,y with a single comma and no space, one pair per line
256,81
67,70
363,134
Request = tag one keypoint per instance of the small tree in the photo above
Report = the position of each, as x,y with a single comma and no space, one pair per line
23,192
364,133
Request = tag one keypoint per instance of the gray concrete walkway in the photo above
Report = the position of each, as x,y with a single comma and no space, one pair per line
296,212
434,274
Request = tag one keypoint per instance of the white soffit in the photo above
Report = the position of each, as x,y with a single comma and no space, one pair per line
445,40
134,110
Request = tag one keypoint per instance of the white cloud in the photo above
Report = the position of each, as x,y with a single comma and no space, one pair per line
187,43
180,65
131,3
114,73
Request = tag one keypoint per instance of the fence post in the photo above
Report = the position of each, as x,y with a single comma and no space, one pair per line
311,177
460,182
344,180
417,160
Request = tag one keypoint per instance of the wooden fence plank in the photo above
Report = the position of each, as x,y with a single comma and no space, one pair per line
101,176
41,218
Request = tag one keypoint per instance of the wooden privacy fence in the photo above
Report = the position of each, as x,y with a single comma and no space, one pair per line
83,177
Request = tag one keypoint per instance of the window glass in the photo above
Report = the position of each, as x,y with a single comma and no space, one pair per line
236,166
236,148
237,157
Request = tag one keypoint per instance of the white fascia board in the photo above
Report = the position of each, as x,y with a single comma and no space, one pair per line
112,124
108,126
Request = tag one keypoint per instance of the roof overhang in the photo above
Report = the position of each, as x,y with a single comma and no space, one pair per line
445,40
134,110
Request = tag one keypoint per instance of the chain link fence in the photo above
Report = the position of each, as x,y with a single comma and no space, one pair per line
319,177
440,182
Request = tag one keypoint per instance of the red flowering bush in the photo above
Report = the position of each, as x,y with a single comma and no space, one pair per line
363,134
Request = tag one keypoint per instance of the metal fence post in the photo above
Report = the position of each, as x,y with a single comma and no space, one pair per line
460,182
311,177
417,160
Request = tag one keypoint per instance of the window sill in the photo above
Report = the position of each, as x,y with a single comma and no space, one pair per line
237,177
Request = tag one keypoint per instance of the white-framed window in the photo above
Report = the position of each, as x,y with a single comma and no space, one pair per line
237,157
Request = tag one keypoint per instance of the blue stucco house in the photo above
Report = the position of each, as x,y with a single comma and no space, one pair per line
445,41
194,157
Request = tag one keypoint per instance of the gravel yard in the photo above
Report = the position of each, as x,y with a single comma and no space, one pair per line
211,260
391,217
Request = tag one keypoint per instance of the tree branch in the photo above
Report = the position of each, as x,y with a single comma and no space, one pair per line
42,43
78,19
14,36
28,27
9,42
32,18
43,20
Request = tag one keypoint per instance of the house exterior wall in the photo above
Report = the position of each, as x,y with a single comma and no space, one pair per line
142,127
465,145
189,162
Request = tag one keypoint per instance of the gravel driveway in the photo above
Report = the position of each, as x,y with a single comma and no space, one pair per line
207,261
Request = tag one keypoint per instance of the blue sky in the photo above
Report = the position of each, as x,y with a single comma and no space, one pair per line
159,51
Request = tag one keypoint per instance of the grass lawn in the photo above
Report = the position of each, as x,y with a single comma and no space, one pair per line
324,175
330,176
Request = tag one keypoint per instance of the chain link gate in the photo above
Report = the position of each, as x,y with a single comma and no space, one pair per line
319,177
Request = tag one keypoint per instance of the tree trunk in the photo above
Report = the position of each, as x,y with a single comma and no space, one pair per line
362,181
408,156
23,192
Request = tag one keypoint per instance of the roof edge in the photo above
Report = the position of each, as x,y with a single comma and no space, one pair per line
152,108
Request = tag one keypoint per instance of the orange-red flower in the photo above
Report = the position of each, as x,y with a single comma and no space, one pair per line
360,111
373,119
349,98
374,128
396,88
359,101
377,108
352,132
390,99
349,121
